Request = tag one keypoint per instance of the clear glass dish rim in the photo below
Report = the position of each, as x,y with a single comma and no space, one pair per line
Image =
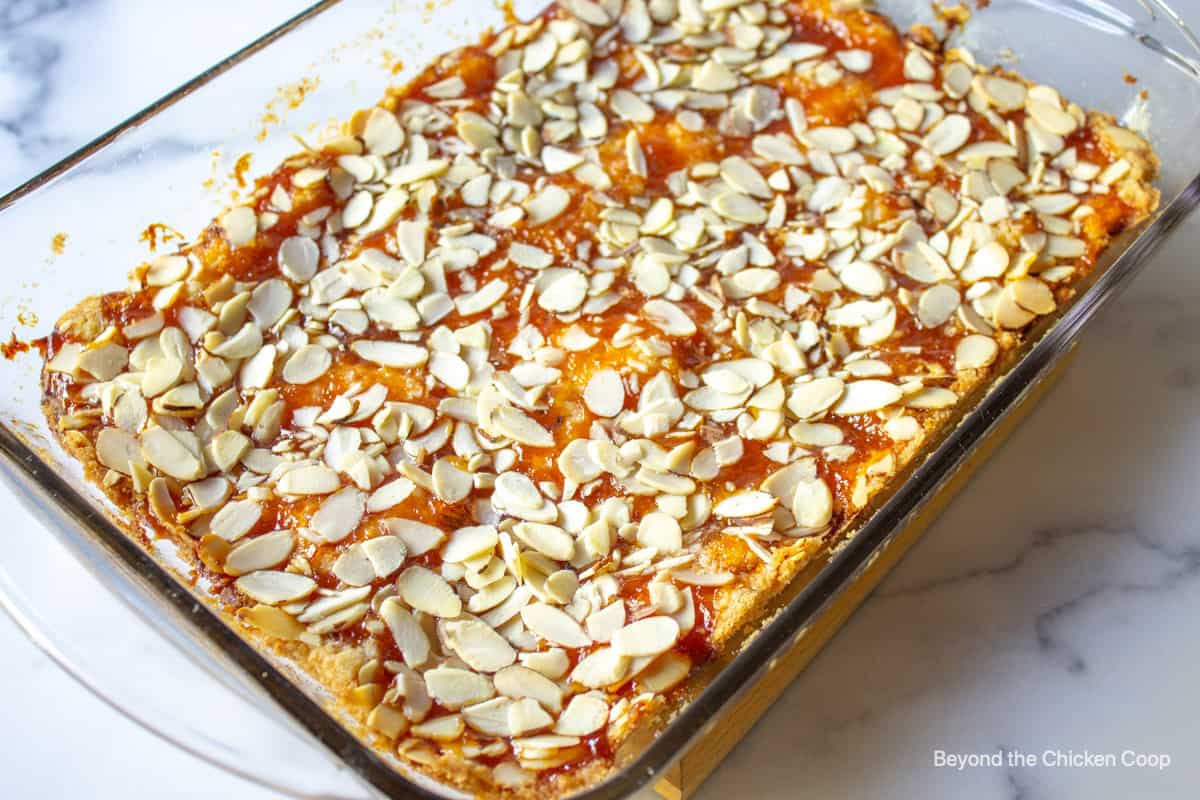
199,631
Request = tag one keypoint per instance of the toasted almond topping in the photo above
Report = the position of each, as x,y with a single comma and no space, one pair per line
628,106
520,682
565,292
511,423
467,544
937,305
1005,94
660,531
477,644
1033,295
553,625
975,351
605,393
298,258
407,633
274,588
665,672
118,450
240,225
549,540
862,397
601,669
547,204
583,716
261,552
812,504
383,134
236,519
166,451
450,483
1051,117
390,354
810,399
454,688
745,504
427,591
931,397
339,514
669,318
948,135
310,479
646,637
654,336
739,207
307,364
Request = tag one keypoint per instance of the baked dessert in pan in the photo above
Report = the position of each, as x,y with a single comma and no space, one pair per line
505,409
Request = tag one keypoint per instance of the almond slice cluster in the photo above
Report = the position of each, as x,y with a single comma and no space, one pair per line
515,391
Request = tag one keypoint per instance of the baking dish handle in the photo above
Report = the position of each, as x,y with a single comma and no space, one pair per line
106,648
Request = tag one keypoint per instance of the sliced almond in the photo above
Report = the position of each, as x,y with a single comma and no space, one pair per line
605,393
812,504
427,591
166,451
451,483
601,668
240,225
339,514
450,727
274,588
863,397
520,682
406,632
669,318
489,717
1033,295
235,519
745,504
511,423
298,258
468,544
554,625
948,135
477,644
1051,117
118,450
547,204
660,531
549,540
382,134
975,351
810,399
390,354
741,208
386,554
665,673
308,480
272,621
261,552
307,364
937,305
353,568
454,688
646,637
583,716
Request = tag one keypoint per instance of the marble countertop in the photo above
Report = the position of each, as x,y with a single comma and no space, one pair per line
1048,615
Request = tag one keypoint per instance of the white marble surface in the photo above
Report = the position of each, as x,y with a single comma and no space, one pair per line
1052,608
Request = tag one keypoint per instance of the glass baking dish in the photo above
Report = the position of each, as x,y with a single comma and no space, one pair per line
177,162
